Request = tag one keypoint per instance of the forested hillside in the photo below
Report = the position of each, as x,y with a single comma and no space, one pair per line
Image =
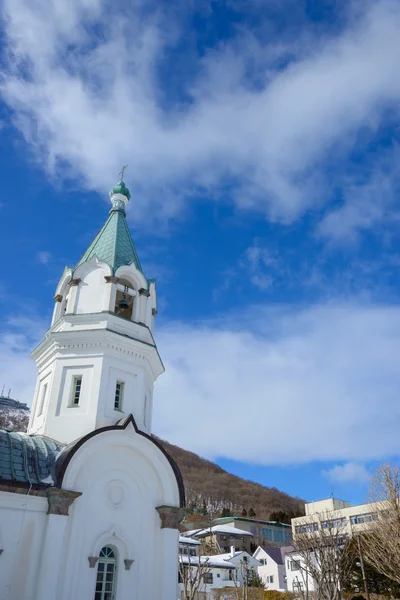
208,487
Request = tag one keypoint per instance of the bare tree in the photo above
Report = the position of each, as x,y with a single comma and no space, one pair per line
321,555
248,585
381,543
193,572
13,420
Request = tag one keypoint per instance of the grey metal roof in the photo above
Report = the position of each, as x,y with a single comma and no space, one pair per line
277,553
28,458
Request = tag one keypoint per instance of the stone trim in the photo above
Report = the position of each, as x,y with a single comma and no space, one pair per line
58,298
60,501
74,282
92,561
111,279
144,292
128,562
170,516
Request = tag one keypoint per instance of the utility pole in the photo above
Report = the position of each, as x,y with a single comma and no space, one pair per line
366,590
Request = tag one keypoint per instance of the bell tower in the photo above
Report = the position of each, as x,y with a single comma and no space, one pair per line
98,361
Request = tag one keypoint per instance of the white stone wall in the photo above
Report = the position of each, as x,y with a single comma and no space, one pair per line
22,527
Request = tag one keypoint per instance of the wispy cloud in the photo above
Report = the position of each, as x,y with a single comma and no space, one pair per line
238,115
44,257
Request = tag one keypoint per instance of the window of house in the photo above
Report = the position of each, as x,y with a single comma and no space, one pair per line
119,392
42,399
208,578
76,390
218,575
106,574
223,537
270,579
192,552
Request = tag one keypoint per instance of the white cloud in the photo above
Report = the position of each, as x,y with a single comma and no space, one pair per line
279,386
18,337
350,472
44,257
271,386
92,104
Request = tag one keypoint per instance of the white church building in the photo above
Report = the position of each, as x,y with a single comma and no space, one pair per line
89,501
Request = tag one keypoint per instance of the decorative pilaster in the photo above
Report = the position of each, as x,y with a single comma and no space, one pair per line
60,501
74,283
110,293
143,295
170,516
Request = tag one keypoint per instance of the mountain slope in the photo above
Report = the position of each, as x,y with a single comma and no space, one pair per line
207,482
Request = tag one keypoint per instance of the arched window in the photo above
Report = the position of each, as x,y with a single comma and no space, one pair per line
106,574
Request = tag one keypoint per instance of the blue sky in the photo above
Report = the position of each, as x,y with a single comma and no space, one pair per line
262,140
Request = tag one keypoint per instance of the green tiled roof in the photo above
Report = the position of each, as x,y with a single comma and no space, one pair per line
113,244
28,458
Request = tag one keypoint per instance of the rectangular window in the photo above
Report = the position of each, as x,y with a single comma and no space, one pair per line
119,392
42,399
357,519
270,579
208,578
76,390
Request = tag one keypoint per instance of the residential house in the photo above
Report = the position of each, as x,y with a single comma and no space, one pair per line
263,532
220,538
272,569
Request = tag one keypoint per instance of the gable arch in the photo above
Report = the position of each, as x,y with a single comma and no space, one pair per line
114,537
66,457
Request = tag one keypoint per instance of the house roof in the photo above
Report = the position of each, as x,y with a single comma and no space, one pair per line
224,529
277,553
228,556
28,459
113,244
188,541
216,561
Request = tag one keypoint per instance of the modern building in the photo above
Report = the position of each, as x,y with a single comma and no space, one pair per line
8,404
272,569
333,513
89,500
263,532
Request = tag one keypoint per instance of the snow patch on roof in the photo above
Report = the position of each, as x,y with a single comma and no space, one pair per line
224,529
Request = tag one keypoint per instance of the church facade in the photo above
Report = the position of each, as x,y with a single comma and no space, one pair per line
89,501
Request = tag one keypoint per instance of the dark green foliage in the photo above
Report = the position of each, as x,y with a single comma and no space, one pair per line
244,513
226,512
252,513
284,517
377,584
204,508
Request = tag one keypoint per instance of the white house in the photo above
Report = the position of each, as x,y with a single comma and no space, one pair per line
272,569
297,577
223,570
89,500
